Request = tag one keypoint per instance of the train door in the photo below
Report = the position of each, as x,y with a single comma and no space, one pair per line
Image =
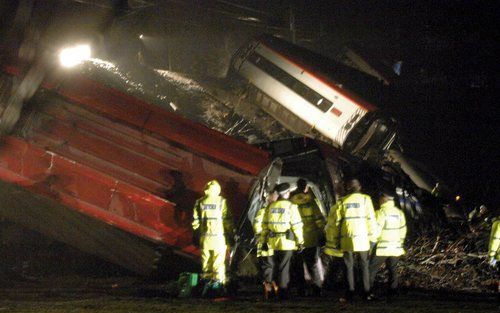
245,237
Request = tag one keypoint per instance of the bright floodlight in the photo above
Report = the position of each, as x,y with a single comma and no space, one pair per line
72,56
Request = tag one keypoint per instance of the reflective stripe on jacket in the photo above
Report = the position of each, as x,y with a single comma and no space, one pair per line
281,218
257,228
351,225
391,224
312,219
494,246
213,221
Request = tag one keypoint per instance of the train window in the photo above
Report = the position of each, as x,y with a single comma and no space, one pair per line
325,105
291,82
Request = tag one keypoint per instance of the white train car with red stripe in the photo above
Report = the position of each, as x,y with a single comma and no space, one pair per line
313,95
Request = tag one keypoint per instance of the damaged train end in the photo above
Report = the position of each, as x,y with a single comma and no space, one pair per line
325,168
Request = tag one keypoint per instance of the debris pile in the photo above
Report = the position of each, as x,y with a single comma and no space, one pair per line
450,261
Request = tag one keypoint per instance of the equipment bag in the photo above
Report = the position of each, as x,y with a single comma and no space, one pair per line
187,283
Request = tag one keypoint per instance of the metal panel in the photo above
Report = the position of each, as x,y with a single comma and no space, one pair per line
117,160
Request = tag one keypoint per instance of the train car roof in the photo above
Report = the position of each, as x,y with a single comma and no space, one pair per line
363,87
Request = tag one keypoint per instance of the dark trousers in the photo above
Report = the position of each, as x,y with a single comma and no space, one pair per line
309,257
280,264
335,273
266,267
349,258
390,263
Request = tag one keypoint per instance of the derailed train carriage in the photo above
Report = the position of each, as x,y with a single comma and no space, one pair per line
320,98
315,96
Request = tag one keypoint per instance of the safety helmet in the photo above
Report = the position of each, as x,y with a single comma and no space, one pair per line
283,188
212,188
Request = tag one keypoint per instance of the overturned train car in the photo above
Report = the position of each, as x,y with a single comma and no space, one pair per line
114,176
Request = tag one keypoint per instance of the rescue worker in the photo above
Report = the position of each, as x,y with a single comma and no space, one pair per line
281,232
313,230
351,229
494,245
212,232
478,219
391,230
263,256
494,250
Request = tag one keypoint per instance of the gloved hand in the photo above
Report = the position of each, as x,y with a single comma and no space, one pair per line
264,246
493,262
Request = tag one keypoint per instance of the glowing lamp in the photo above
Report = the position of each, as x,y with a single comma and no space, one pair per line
73,56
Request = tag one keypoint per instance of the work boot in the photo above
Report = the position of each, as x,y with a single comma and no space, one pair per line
369,297
276,289
267,290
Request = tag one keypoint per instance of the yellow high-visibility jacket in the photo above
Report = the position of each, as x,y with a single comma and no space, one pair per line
494,246
351,225
281,218
213,221
312,219
391,225
257,228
